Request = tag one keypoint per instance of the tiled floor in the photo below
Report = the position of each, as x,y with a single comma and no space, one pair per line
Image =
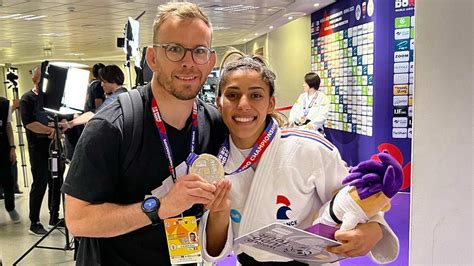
15,239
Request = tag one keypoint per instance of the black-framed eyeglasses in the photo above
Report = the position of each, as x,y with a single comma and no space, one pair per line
176,52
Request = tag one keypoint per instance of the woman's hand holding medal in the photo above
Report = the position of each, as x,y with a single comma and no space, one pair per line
210,168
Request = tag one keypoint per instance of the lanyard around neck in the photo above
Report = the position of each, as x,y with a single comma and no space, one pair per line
257,151
160,125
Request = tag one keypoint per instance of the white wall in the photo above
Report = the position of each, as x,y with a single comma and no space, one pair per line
442,187
289,54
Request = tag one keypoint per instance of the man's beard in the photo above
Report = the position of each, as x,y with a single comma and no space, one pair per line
184,94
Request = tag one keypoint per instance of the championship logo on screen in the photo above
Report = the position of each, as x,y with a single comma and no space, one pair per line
358,12
370,8
282,212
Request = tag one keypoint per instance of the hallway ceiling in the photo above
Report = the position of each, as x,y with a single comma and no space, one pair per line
31,31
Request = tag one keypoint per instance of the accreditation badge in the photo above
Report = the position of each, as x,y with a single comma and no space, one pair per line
183,240
207,166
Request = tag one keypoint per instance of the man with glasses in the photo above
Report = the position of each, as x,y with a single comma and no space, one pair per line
119,213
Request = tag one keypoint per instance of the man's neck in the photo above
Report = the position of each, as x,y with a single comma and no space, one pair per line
173,111
115,89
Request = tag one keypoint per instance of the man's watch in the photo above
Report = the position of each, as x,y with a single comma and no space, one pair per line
150,207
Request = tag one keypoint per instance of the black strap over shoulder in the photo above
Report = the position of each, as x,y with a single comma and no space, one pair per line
331,211
132,109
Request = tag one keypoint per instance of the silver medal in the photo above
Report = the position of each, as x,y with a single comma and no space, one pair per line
208,167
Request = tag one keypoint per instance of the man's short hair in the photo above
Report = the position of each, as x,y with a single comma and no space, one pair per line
179,9
111,74
36,74
313,80
96,68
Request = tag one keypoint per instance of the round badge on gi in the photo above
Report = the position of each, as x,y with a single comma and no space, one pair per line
208,167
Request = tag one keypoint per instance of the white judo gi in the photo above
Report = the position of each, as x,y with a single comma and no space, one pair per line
318,109
295,177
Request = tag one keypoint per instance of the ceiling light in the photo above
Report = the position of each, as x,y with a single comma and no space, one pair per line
37,17
316,5
69,64
217,28
235,8
292,15
74,54
54,34
24,17
271,27
10,16
256,34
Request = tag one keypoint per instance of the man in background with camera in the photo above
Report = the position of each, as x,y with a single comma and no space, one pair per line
39,136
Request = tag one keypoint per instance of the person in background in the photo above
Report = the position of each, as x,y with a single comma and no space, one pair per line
39,136
7,158
111,77
95,93
94,98
311,109
14,167
118,210
292,167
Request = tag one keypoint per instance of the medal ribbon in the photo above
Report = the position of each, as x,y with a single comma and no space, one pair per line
258,148
306,109
160,125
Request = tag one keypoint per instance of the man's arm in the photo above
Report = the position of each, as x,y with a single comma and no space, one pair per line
12,143
80,120
39,128
109,219
103,220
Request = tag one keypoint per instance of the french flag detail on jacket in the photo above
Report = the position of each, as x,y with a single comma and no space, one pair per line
307,134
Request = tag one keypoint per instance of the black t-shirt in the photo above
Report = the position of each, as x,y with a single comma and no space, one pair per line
4,106
31,109
95,91
95,176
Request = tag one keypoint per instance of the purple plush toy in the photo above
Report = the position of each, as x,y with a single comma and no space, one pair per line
369,188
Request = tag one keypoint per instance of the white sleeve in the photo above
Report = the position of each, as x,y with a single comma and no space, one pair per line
295,112
9,118
203,236
388,247
332,171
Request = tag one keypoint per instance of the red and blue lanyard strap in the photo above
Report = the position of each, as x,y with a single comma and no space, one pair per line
160,125
257,151
306,109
